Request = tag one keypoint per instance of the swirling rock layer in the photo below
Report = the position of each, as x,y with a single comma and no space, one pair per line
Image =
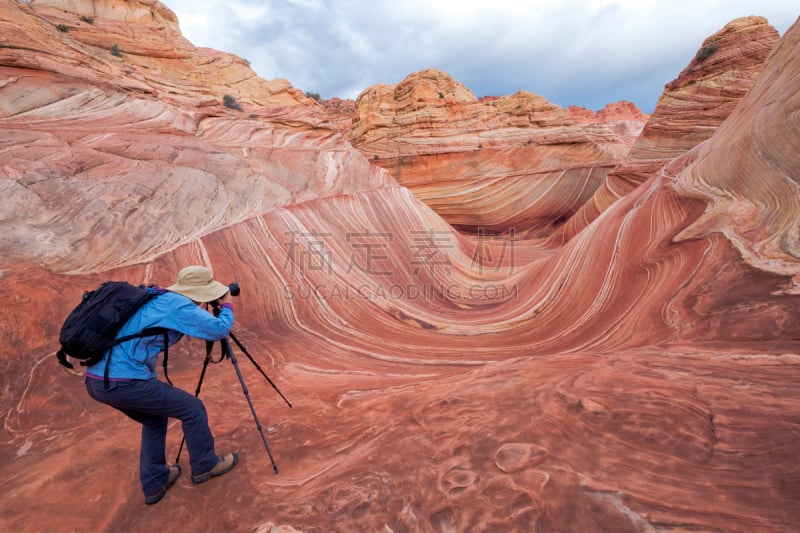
103,145
641,377
688,112
513,164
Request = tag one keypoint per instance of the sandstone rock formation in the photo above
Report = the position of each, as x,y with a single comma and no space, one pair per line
641,377
341,114
517,163
688,112
132,129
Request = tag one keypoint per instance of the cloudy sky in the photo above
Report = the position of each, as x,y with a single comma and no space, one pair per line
573,52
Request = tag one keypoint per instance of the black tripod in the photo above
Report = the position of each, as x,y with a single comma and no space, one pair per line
227,352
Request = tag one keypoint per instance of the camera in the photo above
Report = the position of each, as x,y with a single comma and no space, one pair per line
234,288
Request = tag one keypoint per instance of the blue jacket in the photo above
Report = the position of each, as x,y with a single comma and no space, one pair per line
136,358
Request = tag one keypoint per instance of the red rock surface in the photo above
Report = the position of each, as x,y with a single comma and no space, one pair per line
641,377
341,113
495,165
131,131
688,112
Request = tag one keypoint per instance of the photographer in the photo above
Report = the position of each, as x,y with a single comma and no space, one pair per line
134,389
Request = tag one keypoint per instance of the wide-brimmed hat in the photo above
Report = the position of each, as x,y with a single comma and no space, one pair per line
197,283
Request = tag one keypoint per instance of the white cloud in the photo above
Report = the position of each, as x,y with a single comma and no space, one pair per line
584,52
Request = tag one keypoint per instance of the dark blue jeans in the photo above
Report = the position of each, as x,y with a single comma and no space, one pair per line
151,403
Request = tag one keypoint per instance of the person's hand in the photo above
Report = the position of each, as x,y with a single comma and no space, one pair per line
226,298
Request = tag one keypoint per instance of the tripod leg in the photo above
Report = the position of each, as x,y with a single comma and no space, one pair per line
244,350
226,347
197,391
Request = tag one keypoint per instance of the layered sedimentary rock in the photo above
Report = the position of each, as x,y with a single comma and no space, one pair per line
340,111
517,163
120,134
643,376
688,112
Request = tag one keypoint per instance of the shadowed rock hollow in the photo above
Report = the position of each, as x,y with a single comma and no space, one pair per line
641,376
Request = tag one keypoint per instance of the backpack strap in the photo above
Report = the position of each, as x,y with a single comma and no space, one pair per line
147,332
166,355
62,358
105,374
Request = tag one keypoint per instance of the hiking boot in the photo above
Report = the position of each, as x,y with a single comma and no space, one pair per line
174,474
224,464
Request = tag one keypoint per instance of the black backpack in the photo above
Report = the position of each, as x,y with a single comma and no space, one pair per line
91,328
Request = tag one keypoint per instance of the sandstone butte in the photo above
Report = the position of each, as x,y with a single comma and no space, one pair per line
641,376
492,165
